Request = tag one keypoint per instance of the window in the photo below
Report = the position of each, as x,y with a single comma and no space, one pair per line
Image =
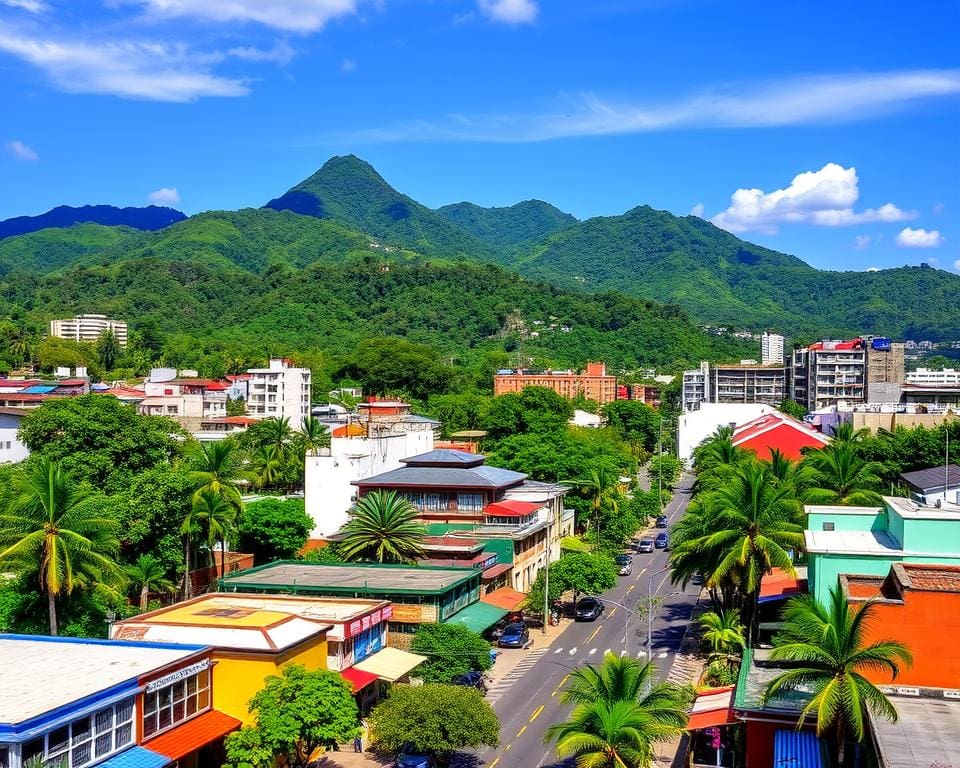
175,703
82,741
828,526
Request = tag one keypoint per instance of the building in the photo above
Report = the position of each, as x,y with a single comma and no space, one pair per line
935,485
240,628
187,400
693,427
385,433
734,384
777,431
108,704
280,391
88,328
868,540
949,377
32,393
593,383
771,348
648,394
830,373
885,361
11,449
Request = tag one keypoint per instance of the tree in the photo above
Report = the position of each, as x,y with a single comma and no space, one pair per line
839,476
212,518
275,432
297,713
216,466
600,488
636,422
108,349
266,465
459,411
383,527
826,648
147,574
792,408
723,632
451,650
434,718
388,365
665,470
584,572
534,409
619,714
274,529
313,436
51,529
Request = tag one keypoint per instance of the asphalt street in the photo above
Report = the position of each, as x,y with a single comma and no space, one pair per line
532,701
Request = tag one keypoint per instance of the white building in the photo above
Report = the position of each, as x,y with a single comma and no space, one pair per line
696,426
186,399
946,377
11,449
771,349
280,391
88,328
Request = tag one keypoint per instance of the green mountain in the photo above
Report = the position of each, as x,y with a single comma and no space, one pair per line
509,227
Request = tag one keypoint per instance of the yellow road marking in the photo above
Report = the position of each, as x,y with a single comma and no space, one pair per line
594,634
631,587
536,713
520,732
495,762
555,691
610,615
506,749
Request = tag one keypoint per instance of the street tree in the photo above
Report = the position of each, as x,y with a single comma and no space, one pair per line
274,529
593,573
636,422
451,650
838,475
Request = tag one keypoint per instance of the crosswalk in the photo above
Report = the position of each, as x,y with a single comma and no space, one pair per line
497,689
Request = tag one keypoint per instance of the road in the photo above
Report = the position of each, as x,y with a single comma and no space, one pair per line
532,701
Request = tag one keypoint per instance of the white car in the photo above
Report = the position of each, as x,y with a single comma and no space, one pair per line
645,545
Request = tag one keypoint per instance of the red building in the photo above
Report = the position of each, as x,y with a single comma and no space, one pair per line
777,430
593,383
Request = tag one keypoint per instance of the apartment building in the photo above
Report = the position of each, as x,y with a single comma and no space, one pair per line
830,373
88,328
946,377
280,391
187,399
885,361
731,384
593,383
771,348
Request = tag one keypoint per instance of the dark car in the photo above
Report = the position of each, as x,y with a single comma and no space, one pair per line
514,636
472,679
661,521
624,564
645,545
661,541
588,609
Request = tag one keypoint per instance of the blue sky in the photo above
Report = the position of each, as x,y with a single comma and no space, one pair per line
827,130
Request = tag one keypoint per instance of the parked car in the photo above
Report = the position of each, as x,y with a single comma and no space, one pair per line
588,609
408,757
624,564
645,545
661,541
661,521
514,636
472,679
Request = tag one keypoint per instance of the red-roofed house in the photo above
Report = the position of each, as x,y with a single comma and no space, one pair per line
187,400
777,430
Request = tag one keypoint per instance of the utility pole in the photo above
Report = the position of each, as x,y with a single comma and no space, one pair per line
946,462
546,580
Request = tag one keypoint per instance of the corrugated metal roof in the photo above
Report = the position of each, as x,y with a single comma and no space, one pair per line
40,389
445,477
796,749
927,732
928,480
444,457
136,757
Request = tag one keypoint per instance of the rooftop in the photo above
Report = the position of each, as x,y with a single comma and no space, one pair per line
445,457
438,476
914,577
40,674
349,578
756,672
933,479
852,543
927,733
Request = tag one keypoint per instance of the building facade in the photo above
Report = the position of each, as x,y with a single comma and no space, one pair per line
88,328
593,383
944,377
185,399
830,373
734,384
771,348
885,361
11,449
281,391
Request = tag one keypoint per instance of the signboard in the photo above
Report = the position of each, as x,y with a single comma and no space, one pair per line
414,614
373,618
180,674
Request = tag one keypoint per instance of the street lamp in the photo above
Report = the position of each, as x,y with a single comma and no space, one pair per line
626,618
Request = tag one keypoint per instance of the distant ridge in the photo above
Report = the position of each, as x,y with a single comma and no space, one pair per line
148,218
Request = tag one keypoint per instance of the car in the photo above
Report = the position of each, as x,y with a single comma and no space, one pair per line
645,545
472,679
624,564
661,521
588,609
661,541
514,636
408,757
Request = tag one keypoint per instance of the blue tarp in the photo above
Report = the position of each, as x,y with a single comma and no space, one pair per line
792,749
136,757
39,389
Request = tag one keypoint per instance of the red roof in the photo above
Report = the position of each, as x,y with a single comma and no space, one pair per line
509,508
505,598
357,678
71,382
711,708
193,734
243,421
495,570
852,344
778,585
777,430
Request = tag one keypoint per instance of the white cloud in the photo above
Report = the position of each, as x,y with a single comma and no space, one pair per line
938,209
862,242
697,210
130,68
510,11
873,269
22,152
300,16
824,198
828,100
33,6
281,53
919,238
164,196
348,65
956,265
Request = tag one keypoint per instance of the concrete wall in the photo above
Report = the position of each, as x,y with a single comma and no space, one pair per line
824,570
17,451
890,421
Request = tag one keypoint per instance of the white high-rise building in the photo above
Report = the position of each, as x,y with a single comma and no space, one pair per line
771,349
88,328
279,391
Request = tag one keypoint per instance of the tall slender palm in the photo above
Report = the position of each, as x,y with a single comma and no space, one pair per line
786,471
52,526
384,527
723,632
845,433
618,714
275,431
829,656
313,435
147,574
838,475
716,459
213,518
216,466
600,488
266,465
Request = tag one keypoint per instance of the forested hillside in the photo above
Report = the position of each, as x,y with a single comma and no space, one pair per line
509,227
149,217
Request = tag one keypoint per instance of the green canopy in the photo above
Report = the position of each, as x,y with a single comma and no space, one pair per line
479,616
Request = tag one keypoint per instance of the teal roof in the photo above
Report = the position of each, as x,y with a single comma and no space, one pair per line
479,616
136,757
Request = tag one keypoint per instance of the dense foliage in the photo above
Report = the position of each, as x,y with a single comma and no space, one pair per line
274,529
451,650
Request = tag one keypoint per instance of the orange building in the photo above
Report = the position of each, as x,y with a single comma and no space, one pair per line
919,605
593,383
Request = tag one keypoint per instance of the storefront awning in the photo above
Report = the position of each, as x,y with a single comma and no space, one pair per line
505,598
390,664
495,570
358,679
792,749
136,757
193,734
479,616
712,708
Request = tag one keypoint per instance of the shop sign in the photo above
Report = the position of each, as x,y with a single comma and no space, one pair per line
180,674
414,614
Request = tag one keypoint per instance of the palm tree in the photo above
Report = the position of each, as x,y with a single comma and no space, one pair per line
216,466
147,575
212,517
828,655
786,471
313,435
716,459
753,530
600,488
723,632
276,432
619,714
383,526
845,433
839,476
52,526
266,465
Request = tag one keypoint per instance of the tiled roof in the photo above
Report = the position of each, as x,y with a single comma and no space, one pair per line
445,477
444,457
932,578
193,734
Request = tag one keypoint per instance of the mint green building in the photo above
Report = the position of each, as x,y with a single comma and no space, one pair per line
867,540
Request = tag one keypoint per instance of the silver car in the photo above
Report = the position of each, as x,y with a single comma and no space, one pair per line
645,545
